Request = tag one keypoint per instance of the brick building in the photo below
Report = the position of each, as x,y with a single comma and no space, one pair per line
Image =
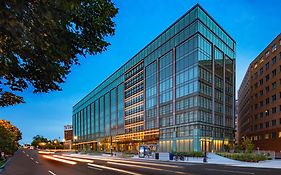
259,108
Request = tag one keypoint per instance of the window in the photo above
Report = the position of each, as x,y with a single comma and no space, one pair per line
266,100
261,115
280,42
273,85
273,123
261,71
267,113
266,66
273,60
267,77
256,75
273,48
273,135
256,85
273,110
267,89
266,124
274,73
261,82
279,135
273,98
261,92
256,106
279,94
261,103
267,53
261,125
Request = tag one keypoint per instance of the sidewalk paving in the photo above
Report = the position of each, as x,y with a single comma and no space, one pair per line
216,159
212,159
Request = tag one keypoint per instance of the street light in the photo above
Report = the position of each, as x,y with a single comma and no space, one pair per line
74,139
55,142
205,149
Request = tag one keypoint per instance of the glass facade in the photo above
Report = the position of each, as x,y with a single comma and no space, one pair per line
177,93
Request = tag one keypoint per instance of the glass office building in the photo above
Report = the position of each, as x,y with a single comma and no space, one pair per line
176,94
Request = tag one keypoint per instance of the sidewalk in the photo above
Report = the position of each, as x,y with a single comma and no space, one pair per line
216,159
212,159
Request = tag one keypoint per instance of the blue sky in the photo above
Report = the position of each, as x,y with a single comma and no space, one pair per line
252,23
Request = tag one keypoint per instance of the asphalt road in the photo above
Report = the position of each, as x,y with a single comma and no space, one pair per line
29,162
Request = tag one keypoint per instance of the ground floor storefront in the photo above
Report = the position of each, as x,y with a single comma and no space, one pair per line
130,143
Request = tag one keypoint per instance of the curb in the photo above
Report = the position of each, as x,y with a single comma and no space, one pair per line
3,166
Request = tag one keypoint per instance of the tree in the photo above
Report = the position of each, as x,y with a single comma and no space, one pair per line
39,141
44,143
248,145
9,137
41,39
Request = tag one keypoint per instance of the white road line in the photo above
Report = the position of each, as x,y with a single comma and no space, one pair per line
27,155
32,158
146,163
36,162
94,168
113,169
131,162
75,159
238,172
51,172
60,160
146,167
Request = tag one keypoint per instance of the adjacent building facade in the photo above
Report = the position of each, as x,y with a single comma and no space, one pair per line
68,132
176,94
260,99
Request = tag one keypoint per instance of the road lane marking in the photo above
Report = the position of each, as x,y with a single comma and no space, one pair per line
113,169
60,160
32,158
51,172
27,155
145,163
46,152
75,159
94,168
37,162
229,171
131,162
146,167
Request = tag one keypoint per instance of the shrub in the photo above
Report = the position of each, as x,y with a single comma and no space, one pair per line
189,154
246,157
249,146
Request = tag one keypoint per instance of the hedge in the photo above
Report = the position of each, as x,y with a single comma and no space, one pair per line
189,154
246,157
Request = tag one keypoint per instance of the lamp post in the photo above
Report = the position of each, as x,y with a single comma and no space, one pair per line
75,138
205,151
55,142
111,146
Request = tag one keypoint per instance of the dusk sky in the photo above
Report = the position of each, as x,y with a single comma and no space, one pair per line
252,23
